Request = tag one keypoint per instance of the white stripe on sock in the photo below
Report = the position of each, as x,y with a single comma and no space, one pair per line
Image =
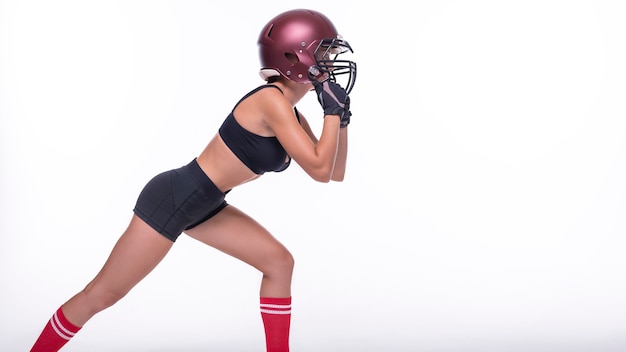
278,306
59,328
271,311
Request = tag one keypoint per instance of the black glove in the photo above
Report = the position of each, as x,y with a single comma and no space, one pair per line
334,100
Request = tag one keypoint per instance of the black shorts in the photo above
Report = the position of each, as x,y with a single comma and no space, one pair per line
179,200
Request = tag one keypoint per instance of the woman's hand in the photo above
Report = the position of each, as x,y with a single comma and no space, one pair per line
334,100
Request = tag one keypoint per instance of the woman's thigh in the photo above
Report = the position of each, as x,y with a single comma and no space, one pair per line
237,234
136,253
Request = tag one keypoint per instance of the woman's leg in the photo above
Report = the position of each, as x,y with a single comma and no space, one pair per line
234,233
136,253
238,235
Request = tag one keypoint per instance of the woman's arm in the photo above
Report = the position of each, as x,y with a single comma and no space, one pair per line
339,168
316,157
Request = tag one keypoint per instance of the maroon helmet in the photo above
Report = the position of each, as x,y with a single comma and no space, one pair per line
303,45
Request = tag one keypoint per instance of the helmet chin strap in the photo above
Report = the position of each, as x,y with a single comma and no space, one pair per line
315,73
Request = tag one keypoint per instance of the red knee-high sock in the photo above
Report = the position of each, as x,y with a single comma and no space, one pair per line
276,314
55,334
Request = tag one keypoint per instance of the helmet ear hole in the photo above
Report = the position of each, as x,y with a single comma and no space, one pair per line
293,59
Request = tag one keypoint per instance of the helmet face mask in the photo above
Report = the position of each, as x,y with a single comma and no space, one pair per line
330,67
303,45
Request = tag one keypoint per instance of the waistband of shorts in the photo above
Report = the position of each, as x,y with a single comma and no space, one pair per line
202,179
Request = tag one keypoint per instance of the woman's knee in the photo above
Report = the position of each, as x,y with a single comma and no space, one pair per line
287,261
99,298
281,263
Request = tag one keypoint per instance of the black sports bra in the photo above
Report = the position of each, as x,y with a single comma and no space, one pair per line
260,154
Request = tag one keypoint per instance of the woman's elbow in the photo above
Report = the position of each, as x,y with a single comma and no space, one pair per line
322,175
321,178
337,178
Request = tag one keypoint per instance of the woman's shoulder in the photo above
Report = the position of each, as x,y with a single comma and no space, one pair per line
269,99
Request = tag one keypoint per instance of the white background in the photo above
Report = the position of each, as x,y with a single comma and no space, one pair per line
483,209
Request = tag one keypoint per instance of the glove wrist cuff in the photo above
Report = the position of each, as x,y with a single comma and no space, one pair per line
336,111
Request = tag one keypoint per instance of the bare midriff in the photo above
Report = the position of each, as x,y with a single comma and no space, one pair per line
223,167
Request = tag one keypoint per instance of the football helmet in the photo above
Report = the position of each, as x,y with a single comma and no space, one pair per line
303,45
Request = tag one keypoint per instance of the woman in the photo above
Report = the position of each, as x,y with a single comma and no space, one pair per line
264,131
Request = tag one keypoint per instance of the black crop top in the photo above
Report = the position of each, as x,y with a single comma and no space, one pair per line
260,154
